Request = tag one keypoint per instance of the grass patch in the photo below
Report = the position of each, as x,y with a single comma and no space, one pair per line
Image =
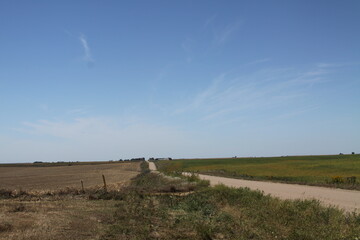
158,183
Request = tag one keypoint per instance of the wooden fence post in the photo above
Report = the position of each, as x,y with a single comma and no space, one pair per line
82,186
104,182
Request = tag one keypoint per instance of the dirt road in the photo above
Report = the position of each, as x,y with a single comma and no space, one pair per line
152,166
346,199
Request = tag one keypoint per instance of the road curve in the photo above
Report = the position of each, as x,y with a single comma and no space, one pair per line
345,199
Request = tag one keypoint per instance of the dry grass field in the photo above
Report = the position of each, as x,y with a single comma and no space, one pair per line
59,218
60,177
51,207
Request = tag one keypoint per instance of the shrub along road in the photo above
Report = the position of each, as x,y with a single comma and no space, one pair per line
349,200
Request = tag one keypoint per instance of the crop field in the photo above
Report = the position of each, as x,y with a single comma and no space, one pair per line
332,169
48,178
43,201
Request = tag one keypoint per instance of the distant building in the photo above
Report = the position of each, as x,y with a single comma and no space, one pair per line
137,159
163,158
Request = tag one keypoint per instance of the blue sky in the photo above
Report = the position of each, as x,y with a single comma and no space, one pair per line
101,80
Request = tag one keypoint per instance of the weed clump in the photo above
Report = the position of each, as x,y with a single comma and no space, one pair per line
5,227
4,193
106,195
157,183
8,194
337,179
18,208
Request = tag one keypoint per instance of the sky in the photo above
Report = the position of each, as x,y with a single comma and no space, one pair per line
108,80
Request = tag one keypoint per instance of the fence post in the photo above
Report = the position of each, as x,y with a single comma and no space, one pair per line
82,186
104,182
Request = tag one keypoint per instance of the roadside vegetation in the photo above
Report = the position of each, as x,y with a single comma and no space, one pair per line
221,213
341,171
158,206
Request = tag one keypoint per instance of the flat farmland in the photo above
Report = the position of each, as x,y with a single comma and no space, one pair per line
49,178
331,169
155,206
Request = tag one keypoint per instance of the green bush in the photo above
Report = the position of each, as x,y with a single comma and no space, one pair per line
337,179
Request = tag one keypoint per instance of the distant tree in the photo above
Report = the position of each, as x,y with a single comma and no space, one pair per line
353,153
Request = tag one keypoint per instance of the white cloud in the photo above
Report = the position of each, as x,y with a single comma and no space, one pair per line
87,53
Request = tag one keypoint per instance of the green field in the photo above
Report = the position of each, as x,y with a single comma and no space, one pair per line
318,170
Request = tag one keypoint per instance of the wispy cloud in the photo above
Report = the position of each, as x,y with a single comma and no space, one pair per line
201,97
239,96
258,61
337,65
78,111
224,34
44,107
187,46
209,20
297,112
87,53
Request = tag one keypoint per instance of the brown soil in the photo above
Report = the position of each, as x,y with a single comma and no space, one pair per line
54,178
